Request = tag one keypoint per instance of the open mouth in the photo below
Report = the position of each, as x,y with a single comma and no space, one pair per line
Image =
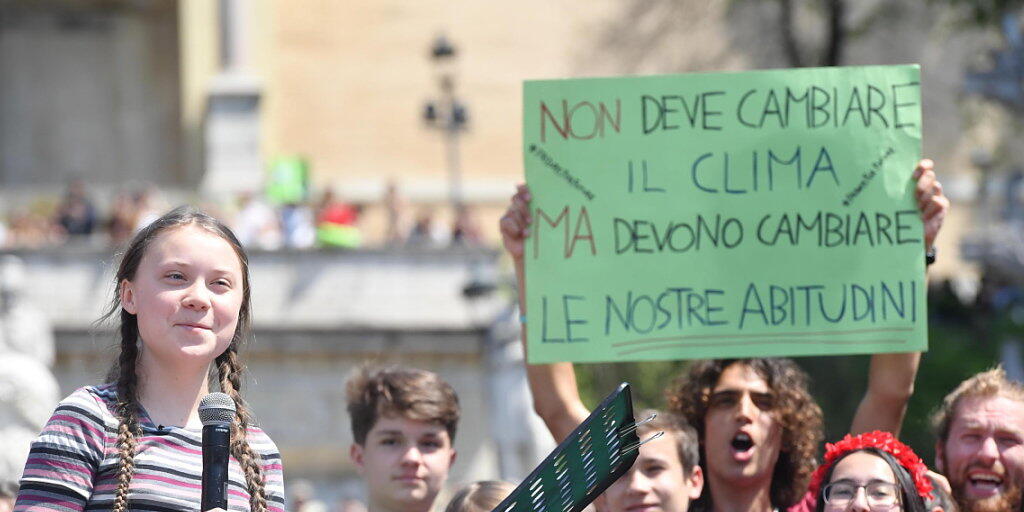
985,483
742,442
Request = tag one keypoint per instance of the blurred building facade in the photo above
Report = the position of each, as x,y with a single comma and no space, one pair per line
199,97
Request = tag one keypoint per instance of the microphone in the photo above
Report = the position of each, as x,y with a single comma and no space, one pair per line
217,411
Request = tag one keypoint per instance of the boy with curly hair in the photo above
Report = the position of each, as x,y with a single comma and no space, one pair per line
758,427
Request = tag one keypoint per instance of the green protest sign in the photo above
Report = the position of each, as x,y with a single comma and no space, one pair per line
765,213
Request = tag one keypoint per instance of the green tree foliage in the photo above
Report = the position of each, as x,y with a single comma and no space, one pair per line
981,13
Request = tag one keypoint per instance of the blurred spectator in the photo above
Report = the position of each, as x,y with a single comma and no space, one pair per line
147,208
256,223
350,505
336,223
303,497
31,230
425,232
297,226
121,223
465,231
3,234
75,213
394,207
288,181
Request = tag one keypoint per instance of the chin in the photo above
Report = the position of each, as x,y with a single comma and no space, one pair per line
1007,499
413,496
200,352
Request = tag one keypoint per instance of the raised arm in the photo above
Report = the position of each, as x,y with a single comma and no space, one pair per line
553,386
891,376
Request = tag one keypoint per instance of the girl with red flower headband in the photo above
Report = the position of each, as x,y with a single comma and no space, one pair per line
890,475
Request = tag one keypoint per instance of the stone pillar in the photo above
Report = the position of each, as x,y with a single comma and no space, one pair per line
233,160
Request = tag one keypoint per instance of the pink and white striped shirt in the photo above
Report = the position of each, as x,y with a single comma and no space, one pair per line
73,464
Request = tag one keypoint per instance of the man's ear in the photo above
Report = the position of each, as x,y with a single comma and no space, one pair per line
939,459
696,481
127,295
455,455
355,453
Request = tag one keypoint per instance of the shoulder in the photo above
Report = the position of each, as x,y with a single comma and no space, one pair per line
261,443
807,504
94,403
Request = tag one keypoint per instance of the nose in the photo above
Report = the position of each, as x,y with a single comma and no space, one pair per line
638,483
412,456
746,409
859,501
197,297
989,451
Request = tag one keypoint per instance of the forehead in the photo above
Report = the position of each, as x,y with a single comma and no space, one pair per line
996,412
739,376
862,467
193,245
387,425
660,449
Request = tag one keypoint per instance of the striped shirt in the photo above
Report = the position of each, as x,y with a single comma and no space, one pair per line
73,464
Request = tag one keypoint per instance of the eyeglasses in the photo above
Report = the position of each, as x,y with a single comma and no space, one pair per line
880,495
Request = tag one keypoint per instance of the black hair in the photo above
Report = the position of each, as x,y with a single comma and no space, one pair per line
910,499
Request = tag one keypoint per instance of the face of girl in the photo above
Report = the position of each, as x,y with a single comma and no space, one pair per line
863,482
186,295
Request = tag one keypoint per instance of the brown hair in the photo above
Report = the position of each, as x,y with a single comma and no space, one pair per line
687,446
229,369
405,392
991,383
794,408
481,496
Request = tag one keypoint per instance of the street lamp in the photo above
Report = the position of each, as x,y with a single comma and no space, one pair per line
448,114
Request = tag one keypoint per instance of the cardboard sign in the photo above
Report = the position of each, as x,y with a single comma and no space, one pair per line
767,213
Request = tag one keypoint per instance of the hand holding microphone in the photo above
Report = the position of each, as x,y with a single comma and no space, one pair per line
217,411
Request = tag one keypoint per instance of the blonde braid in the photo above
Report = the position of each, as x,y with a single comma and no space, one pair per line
127,407
230,370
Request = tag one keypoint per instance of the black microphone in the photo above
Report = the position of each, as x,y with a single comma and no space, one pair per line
217,411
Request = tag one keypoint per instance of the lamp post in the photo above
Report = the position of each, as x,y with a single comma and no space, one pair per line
448,114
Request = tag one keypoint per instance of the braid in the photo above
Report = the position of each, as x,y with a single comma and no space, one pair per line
127,407
230,369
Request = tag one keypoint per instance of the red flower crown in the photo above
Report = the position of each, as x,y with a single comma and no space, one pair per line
883,441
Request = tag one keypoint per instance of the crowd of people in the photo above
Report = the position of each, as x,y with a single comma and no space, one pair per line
257,220
740,435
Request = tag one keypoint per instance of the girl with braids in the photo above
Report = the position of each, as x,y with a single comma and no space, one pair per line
182,297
